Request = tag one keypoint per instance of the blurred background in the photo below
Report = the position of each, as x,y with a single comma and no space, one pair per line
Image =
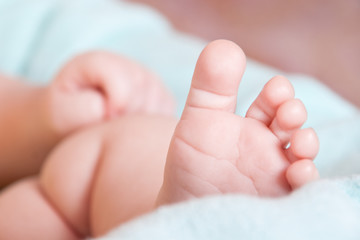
320,38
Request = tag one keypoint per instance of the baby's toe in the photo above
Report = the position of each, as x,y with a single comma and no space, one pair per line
301,172
217,76
290,116
275,92
304,144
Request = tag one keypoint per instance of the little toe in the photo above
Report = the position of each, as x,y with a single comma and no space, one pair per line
304,144
290,116
275,92
301,172
217,76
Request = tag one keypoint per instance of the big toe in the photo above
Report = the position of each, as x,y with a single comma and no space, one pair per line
217,76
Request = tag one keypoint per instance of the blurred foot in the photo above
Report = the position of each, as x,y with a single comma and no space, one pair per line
96,86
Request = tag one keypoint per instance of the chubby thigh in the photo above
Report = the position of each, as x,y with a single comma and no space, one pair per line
106,175
27,214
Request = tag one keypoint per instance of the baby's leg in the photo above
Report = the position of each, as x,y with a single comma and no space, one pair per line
92,182
107,175
60,195
131,172
67,176
27,214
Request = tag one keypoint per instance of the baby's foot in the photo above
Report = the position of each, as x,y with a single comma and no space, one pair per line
214,151
99,85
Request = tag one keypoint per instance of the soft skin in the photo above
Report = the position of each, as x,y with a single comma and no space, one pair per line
110,173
